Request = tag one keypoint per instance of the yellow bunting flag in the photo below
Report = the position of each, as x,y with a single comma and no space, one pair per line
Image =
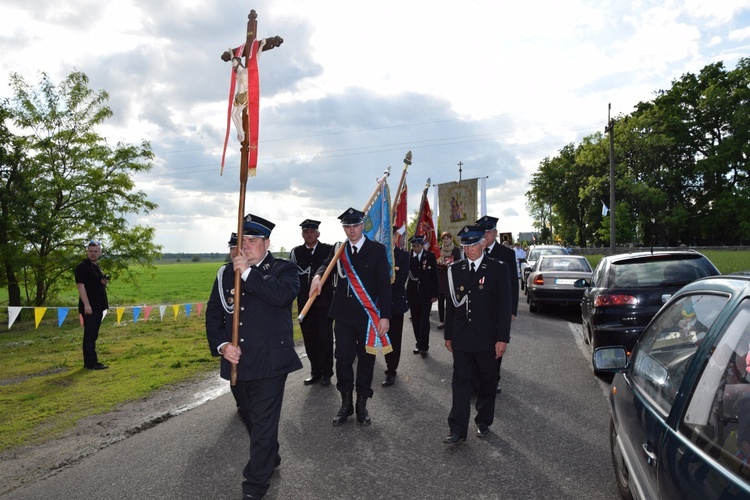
39,314
120,311
176,309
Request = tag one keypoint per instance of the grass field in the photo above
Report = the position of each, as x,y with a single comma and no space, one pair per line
44,390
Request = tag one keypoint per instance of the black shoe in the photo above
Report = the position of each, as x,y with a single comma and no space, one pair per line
423,354
389,380
250,496
311,380
325,381
453,438
441,325
363,417
498,390
346,410
98,366
482,430
417,351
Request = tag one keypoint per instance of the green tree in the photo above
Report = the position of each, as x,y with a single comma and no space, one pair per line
15,201
77,186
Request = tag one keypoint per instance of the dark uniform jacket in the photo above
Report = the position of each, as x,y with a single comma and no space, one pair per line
91,276
307,264
371,264
482,317
508,257
423,278
265,334
398,288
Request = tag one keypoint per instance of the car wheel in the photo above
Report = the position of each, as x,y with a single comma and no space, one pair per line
523,287
622,476
532,305
585,334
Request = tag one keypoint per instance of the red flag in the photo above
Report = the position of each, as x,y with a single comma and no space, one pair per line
427,229
399,220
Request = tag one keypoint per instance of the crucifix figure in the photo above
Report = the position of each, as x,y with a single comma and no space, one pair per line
244,91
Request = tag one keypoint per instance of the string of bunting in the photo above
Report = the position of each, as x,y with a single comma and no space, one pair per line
62,312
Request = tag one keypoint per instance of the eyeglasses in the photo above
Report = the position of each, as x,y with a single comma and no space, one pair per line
93,243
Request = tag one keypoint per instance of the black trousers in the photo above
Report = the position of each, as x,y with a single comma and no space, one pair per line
91,324
441,307
317,333
395,334
351,339
420,322
260,401
484,365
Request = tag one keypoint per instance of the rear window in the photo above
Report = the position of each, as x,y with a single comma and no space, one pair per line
537,252
658,272
565,264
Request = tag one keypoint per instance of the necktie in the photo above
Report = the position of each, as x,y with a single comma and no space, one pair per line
354,251
471,271
486,251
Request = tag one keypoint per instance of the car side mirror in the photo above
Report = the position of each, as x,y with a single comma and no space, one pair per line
581,283
522,260
611,359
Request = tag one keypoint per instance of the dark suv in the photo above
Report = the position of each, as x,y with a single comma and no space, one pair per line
627,290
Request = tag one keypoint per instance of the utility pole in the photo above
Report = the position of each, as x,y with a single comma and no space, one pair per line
460,164
610,128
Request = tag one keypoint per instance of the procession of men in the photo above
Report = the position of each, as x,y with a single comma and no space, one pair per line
344,294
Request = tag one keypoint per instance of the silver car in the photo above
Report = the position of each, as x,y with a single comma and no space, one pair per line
552,279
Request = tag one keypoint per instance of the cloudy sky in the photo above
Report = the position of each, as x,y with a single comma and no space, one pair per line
493,84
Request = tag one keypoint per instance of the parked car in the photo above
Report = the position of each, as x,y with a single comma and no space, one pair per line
535,251
552,278
680,402
627,290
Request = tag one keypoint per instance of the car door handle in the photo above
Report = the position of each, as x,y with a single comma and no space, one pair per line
650,455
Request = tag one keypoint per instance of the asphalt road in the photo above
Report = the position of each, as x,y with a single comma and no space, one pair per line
549,439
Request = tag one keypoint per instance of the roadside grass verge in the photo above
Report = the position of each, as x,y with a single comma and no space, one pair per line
44,389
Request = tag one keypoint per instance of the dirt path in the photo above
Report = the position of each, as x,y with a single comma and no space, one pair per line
30,463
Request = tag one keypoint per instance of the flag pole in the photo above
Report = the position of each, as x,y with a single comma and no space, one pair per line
402,181
340,250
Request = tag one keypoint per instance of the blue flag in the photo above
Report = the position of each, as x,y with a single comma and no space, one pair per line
378,226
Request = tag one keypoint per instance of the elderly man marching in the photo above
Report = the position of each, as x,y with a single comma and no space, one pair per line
361,310
477,332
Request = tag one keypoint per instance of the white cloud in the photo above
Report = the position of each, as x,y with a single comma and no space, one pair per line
495,85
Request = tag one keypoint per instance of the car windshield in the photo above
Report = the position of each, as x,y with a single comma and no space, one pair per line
656,273
565,264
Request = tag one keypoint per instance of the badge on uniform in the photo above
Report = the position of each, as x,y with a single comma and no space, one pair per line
266,267
481,282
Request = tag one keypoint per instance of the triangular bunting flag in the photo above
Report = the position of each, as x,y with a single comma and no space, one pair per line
104,314
80,318
120,311
38,314
161,312
62,313
175,309
187,310
147,312
136,312
13,313
199,307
